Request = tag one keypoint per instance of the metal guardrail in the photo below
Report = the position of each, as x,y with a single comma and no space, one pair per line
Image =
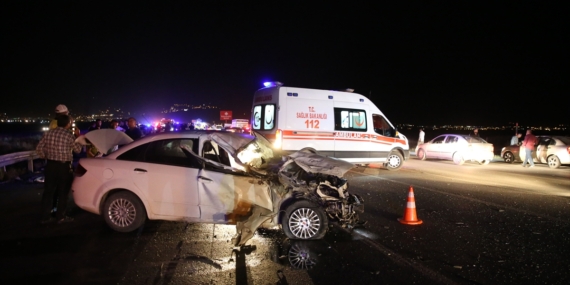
9,159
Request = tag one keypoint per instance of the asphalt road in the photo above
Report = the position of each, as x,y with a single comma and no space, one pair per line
482,224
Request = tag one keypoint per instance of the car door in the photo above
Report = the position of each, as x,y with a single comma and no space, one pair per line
227,193
167,177
449,147
434,148
544,144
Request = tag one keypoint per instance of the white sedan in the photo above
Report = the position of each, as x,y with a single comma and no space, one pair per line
214,177
459,148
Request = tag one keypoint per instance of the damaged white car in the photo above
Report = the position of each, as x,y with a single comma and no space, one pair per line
214,177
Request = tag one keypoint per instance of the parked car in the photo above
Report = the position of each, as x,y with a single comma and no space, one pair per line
215,177
459,148
552,150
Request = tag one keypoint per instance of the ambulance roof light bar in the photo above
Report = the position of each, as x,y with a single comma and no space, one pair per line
272,83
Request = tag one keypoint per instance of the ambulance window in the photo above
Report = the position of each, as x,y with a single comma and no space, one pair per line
257,117
382,127
269,117
264,117
348,119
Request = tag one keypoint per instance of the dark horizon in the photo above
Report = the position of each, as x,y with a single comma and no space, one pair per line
450,63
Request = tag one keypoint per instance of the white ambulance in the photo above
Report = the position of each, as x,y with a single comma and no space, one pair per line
338,124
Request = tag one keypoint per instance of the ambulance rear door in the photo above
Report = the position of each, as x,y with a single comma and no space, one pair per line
309,120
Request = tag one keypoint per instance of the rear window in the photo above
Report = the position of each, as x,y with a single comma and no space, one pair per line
471,139
263,117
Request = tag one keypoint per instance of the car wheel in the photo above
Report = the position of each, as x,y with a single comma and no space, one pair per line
305,220
486,161
553,161
508,157
458,159
395,161
422,154
124,212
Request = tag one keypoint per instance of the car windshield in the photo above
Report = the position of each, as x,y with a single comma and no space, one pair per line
257,153
471,139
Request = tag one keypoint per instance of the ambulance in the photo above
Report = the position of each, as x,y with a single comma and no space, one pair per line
339,124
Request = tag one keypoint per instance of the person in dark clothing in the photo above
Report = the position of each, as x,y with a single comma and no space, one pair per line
133,132
475,133
56,147
97,125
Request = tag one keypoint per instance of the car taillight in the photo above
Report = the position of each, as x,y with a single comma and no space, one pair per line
80,170
568,149
278,139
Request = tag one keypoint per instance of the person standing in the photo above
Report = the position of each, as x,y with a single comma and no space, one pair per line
528,144
115,125
97,125
59,110
422,136
133,132
515,139
475,133
56,146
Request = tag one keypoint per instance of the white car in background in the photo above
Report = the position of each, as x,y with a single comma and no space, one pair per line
214,177
458,148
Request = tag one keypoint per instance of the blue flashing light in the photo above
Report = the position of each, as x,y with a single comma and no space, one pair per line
272,83
330,96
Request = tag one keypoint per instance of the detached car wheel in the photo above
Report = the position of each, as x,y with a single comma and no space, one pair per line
553,161
422,154
124,212
508,157
305,220
395,161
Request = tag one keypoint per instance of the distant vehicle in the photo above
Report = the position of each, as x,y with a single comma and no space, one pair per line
234,130
218,178
456,147
552,150
240,123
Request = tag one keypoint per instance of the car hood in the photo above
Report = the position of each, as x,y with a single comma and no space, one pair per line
105,139
314,163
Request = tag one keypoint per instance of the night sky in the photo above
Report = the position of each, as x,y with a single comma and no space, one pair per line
422,63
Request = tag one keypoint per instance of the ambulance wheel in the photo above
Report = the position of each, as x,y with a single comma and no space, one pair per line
395,161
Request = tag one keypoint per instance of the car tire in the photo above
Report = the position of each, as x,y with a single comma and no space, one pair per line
553,161
458,159
421,154
305,220
509,157
124,212
394,161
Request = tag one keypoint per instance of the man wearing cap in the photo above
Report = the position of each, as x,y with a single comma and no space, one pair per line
56,147
59,110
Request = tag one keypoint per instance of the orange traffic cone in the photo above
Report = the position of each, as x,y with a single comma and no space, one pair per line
410,217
